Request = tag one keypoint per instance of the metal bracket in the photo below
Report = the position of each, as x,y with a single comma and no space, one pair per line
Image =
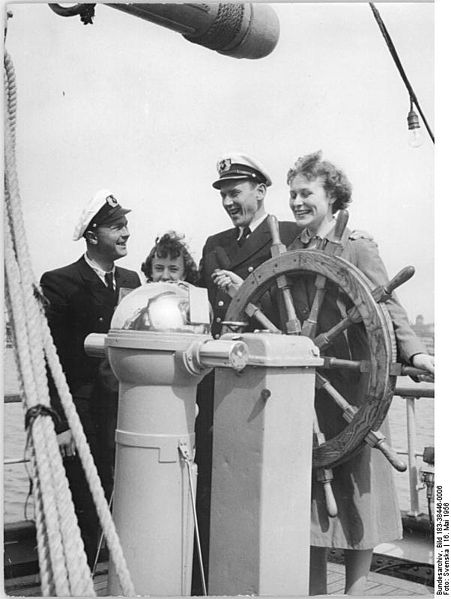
86,12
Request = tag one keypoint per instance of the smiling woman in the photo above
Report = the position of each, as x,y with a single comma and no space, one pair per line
317,191
368,512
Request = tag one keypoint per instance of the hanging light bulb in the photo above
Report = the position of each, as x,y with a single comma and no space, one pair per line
416,135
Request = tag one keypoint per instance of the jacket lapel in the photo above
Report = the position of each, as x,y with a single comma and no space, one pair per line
223,253
258,239
94,285
122,279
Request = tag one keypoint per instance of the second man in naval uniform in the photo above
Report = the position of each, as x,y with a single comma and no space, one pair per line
242,183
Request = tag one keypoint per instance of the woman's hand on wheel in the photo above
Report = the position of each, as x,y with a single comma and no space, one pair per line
423,361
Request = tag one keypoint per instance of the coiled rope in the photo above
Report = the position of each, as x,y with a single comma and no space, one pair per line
62,560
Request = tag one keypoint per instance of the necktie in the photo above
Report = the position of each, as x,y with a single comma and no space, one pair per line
244,236
109,278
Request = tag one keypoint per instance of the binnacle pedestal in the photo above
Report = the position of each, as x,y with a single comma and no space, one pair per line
159,353
261,480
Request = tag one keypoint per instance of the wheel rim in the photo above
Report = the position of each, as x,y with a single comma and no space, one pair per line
376,322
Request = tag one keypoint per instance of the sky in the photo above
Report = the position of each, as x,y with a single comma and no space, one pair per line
131,106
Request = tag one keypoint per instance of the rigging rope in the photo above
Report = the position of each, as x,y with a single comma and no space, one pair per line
62,559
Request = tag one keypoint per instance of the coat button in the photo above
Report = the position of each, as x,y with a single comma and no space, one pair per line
220,303
218,319
100,319
250,269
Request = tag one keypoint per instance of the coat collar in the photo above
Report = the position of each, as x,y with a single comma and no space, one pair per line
306,240
87,273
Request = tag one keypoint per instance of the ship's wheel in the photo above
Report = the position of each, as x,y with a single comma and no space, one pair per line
364,316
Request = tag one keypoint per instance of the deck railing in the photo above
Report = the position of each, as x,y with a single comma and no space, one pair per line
410,394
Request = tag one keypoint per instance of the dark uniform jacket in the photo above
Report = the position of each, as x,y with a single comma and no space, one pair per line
222,251
80,304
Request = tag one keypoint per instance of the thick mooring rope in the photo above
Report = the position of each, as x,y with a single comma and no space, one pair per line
63,564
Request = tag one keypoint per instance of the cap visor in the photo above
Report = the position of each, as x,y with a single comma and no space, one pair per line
117,217
112,220
217,183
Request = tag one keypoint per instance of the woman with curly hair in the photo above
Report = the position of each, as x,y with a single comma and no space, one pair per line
368,512
170,260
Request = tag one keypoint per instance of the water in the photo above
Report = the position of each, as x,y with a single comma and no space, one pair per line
15,476
16,479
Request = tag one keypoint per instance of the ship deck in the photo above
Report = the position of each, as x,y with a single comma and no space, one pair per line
379,585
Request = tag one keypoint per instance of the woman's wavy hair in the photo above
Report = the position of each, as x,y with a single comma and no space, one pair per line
335,182
171,244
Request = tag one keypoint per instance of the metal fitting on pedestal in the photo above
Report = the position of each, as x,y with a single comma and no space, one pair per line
225,353
95,345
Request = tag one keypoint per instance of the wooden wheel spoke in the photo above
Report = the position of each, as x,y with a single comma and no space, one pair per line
309,325
377,440
293,324
254,311
349,411
325,475
335,363
324,339
373,438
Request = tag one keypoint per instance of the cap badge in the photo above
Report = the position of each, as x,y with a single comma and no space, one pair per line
224,165
111,201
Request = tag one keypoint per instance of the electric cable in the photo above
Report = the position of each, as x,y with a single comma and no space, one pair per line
398,63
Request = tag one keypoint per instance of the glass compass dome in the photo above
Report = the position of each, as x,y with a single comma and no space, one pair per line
170,307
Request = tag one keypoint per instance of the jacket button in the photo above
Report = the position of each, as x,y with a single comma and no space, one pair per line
217,336
218,319
250,269
220,303
100,319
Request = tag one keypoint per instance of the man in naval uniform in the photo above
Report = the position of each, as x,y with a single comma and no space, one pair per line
242,182
81,300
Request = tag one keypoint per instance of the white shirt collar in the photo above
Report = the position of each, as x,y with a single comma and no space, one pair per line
253,225
98,270
306,235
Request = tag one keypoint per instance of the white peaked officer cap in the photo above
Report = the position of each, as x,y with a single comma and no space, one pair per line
240,166
102,209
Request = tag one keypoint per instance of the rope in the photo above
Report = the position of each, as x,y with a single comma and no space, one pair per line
399,66
101,539
47,502
40,410
183,449
62,559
